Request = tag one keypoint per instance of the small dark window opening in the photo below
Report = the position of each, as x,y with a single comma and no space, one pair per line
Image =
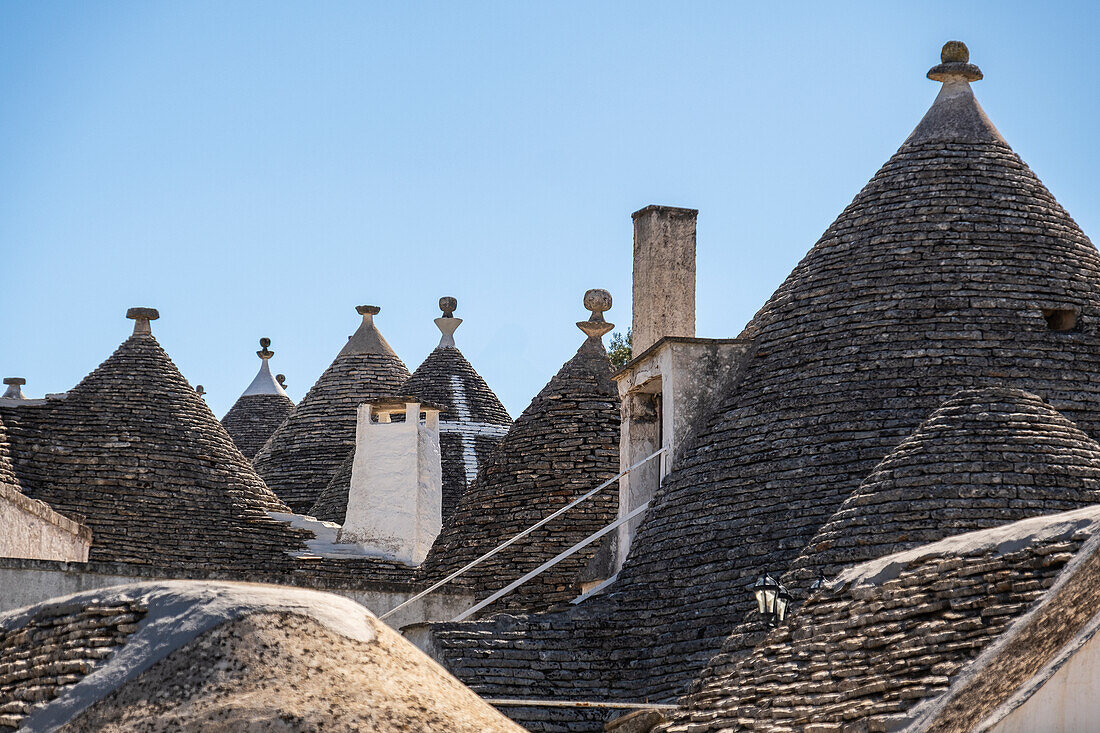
1060,319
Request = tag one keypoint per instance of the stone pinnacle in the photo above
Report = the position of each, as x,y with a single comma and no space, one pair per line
447,323
597,301
954,64
141,318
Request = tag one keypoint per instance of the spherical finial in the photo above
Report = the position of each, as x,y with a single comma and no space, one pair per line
597,300
954,64
365,310
200,390
281,379
955,52
265,342
447,304
264,352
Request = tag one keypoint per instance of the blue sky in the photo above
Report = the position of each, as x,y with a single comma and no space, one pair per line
259,168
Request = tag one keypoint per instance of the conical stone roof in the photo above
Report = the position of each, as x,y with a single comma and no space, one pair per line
565,443
260,410
985,458
137,452
954,267
300,458
472,423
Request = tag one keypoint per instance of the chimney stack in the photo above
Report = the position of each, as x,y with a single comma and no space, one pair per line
395,501
664,274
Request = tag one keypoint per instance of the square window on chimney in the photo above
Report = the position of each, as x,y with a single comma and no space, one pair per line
1060,319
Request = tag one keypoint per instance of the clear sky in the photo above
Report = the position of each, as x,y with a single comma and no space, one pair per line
260,168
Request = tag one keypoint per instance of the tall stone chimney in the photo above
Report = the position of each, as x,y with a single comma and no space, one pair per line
395,501
664,274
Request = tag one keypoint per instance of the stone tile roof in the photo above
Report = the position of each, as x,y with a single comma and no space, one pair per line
254,418
260,410
862,653
985,457
565,443
471,411
233,657
301,457
137,452
951,269
1029,653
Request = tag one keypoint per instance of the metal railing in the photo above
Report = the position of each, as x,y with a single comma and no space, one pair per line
549,564
550,517
518,702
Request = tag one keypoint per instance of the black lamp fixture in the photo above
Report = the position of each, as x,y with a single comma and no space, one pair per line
772,599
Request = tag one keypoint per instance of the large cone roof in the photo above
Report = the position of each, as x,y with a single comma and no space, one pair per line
301,457
565,443
933,279
446,379
138,453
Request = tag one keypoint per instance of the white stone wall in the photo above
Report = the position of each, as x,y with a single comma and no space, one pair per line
31,529
1066,703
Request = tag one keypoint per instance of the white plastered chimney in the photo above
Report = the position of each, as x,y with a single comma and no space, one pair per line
396,495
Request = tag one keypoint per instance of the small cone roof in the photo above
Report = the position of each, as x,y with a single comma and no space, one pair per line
300,458
260,410
565,443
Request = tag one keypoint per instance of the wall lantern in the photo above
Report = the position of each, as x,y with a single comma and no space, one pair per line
772,599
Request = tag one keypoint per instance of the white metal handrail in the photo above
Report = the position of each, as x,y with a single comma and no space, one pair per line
439,584
503,701
549,564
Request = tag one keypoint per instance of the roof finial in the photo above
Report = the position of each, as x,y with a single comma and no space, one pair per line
447,323
281,379
200,390
367,310
955,66
597,301
264,353
14,390
141,318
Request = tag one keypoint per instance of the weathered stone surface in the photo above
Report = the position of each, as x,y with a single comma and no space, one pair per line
54,649
861,653
564,443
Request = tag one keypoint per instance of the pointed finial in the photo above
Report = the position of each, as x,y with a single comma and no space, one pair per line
14,390
264,353
200,390
281,379
447,323
141,318
597,301
955,64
